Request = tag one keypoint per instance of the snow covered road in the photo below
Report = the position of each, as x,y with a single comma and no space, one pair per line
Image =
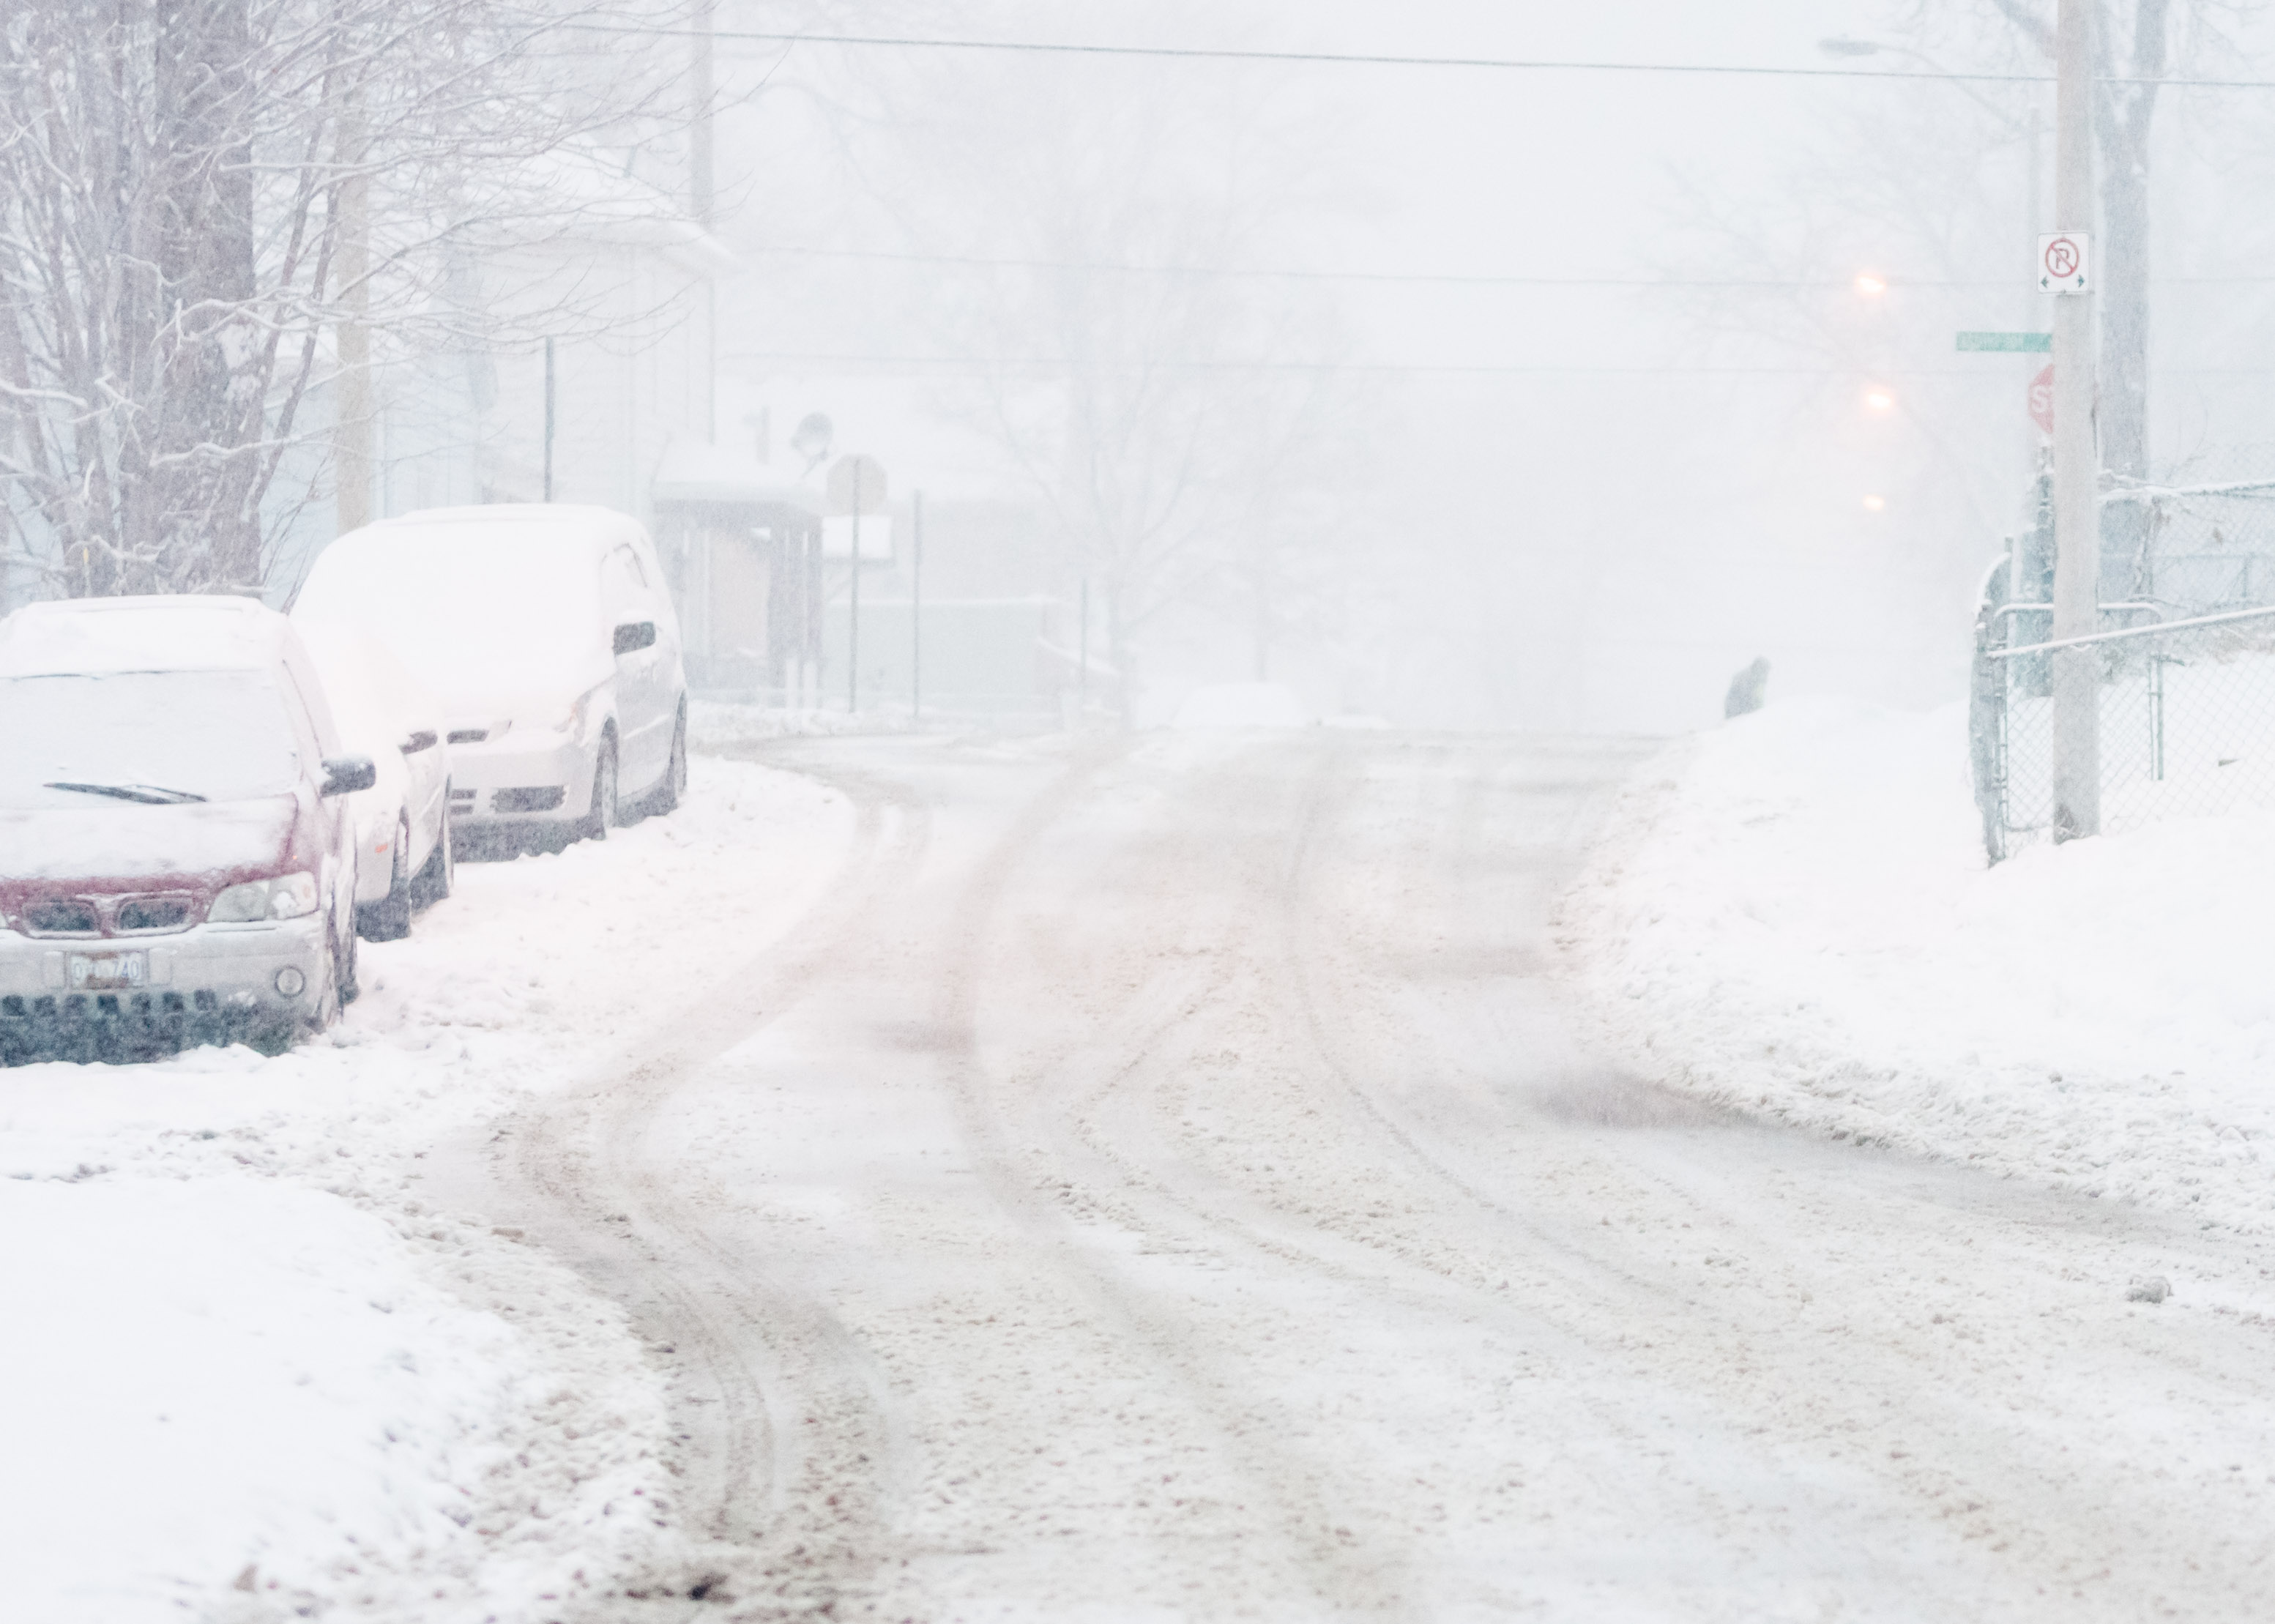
1161,1182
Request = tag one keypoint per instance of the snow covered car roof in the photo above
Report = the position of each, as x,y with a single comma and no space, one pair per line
180,633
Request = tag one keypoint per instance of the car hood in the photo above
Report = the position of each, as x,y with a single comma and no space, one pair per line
103,843
538,692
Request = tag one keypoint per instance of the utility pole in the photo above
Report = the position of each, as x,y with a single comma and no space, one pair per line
702,192
352,428
2078,496
700,97
2035,457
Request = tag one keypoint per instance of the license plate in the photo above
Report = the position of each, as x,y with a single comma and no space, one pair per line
98,972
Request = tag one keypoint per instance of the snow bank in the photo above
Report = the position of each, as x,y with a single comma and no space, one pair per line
722,724
1792,915
250,1371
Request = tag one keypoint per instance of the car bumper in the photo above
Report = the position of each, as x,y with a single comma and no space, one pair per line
510,784
211,984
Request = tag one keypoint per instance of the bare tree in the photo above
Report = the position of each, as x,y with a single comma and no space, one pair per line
1185,431
180,184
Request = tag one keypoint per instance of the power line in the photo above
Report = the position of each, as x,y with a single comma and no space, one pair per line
1448,278
1430,278
1057,364
1188,53
1431,368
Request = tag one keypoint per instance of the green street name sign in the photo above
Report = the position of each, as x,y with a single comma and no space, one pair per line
2025,343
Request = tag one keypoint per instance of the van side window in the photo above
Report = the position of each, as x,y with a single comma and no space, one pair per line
619,588
620,579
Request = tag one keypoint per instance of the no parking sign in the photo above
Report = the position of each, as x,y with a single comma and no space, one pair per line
2062,260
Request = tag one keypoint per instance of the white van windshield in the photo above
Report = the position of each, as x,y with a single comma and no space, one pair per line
473,611
150,737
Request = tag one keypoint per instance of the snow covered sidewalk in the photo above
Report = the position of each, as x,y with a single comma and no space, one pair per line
1792,915
247,1372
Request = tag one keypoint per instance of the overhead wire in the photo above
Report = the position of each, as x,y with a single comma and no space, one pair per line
1430,278
1482,369
1540,65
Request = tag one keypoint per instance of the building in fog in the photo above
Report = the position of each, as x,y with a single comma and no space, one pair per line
602,358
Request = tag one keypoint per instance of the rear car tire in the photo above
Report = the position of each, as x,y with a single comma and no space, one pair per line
439,876
666,796
346,987
388,919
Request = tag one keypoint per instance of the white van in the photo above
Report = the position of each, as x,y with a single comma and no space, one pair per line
547,633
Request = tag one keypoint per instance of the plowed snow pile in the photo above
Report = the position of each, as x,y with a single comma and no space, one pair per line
1792,915
248,1371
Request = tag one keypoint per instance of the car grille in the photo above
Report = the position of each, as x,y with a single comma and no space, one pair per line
469,736
152,915
140,914
544,797
63,916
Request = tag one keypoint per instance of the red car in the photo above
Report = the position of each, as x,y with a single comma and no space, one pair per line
177,861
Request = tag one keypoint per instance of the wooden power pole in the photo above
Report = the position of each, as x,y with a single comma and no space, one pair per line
351,429
2078,495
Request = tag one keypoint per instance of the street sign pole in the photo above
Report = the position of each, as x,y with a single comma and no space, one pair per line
916,604
856,485
2064,271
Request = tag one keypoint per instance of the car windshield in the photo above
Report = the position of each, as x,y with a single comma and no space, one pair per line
159,736
473,611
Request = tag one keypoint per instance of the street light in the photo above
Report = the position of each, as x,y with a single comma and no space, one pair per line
1869,285
1878,399
1876,504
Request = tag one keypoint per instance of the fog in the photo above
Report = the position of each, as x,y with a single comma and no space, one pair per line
1578,498
1480,367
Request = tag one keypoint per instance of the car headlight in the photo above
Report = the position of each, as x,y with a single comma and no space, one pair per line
287,896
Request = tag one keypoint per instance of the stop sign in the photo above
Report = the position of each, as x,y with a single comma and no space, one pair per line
2042,398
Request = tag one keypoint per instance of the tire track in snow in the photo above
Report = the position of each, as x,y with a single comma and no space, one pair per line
1345,1573
1943,1451
788,1443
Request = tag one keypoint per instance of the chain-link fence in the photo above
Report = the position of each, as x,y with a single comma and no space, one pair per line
2184,651
2193,548
2185,711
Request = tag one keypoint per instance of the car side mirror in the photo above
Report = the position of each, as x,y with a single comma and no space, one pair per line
346,775
424,739
635,635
